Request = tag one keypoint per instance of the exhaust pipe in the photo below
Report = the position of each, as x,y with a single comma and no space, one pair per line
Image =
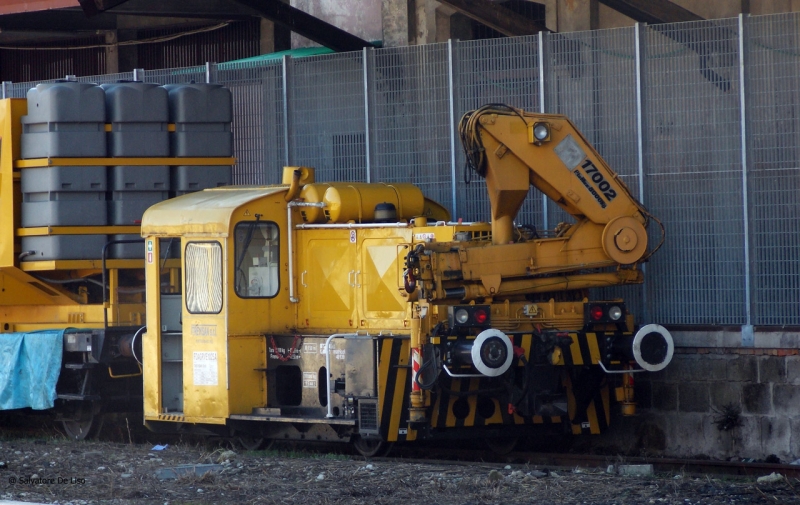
652,347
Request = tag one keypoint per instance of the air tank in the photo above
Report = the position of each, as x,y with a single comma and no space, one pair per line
357,201
313,193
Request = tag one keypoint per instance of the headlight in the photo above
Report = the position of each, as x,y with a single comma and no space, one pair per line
467,316
538,133
615,313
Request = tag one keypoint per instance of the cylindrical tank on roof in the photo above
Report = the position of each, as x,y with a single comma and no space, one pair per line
357,201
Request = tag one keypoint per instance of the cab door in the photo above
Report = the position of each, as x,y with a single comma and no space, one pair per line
327,277
205,378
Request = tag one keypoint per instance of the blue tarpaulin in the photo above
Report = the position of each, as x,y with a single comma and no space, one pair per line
29,367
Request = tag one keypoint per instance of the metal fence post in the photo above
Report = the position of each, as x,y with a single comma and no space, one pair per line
639,49
6,89
138,74
543,109
748,339
451,84
285,84
211,72
366,55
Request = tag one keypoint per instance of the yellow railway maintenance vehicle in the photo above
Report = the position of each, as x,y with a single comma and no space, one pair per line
360,312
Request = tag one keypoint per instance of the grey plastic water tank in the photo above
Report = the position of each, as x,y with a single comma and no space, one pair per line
188,178
65,119
127,207
138,113
202,114
63,247
63,196
138,178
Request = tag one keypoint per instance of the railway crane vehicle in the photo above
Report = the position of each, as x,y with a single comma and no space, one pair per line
347,311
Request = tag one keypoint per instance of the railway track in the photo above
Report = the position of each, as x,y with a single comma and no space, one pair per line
573,460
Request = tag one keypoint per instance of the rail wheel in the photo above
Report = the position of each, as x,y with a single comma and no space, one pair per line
372,447
84,423
502,445
254,443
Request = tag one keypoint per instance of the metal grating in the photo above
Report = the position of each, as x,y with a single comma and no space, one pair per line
257,90
327,127
494,71
410,120
773,112
694,173
368,422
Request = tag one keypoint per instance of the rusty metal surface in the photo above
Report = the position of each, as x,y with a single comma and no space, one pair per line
15,6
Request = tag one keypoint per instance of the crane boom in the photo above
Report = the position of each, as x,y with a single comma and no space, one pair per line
514,150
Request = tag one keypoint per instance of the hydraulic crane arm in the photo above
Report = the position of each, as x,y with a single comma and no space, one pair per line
514,150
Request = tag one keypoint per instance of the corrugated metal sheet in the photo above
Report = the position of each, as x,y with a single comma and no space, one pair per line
237,40
43,64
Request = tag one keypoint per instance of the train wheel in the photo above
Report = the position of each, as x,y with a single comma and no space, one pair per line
372,447
502,445
85,423
252,443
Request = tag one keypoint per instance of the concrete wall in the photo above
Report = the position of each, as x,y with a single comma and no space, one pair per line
361,18
679,407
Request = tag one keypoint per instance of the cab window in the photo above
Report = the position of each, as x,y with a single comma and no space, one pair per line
256,254
203,277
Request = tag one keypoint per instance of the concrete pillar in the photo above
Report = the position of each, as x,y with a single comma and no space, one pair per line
452,25
112,54
425,22
571,15
267,37
577,15
395,21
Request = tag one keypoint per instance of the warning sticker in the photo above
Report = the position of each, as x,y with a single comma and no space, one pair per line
205,368
309,379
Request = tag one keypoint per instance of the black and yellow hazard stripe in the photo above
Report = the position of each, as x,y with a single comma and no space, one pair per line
394,386
584,350
598,412
450,409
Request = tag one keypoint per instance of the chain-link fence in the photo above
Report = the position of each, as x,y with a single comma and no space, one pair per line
701,120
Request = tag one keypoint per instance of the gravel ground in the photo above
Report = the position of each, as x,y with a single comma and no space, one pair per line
45,467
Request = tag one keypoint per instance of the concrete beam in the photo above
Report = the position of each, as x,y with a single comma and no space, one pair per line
496,17
652,11
306,25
